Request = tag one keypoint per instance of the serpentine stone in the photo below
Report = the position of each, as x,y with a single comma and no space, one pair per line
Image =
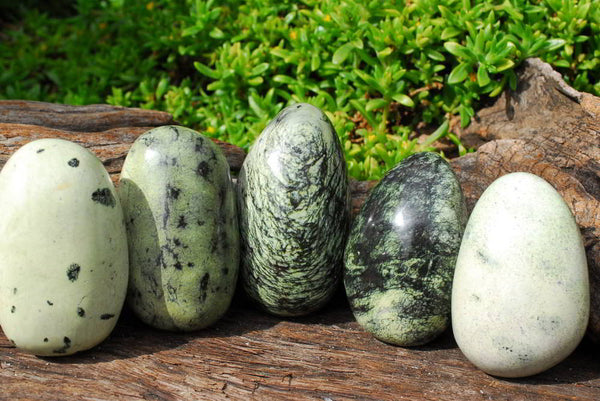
401,252
294,213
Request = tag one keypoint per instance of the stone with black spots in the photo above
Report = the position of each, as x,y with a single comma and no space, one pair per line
182,228
62,250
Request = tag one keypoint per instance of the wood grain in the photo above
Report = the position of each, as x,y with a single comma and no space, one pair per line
250,355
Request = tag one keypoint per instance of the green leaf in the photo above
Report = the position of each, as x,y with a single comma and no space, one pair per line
216,33
259,69
376,104
441,131
459,73
162,87
255,81
435,55
450,32
483,77
404,100
554,44
504,65
385,52
284,79
562,63
459,50
315,61
204,70
342,53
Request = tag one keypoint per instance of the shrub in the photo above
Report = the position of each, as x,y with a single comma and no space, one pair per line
388,73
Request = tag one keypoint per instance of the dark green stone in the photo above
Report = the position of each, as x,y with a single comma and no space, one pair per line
402,250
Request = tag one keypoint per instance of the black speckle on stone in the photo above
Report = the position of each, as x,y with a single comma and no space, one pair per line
173,192
225,271
40,150
80,312
178,265
190,264
199,144
177,242
104,197
73,162
13,309
299,106
106,316
181,223
204,286
73,272
200,222
49,302
15,291
203,169
65,347
45,339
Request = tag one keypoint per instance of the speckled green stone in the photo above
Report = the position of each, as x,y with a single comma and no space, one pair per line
182,229
63,249
401,252
294,213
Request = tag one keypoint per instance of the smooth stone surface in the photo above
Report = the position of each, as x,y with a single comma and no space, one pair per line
182,228
520,298
401,252
63,270
294,213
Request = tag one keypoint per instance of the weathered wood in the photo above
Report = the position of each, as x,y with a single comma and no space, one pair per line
250,355
111,145
98,117
547,128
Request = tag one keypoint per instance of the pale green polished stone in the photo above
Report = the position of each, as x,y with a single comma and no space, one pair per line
520,297
182,229
63,270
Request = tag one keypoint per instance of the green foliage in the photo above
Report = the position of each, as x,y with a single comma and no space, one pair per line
386,72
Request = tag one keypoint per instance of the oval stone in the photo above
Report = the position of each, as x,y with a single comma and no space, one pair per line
182,229
63,270
401,252
520,300
294,213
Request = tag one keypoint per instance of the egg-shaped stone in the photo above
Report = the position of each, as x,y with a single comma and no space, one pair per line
294,213
63,269
520,298
180,213
402,249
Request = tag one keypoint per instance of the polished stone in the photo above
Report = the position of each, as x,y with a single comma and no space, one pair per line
180,212
401,252
63,269
520,299
294,213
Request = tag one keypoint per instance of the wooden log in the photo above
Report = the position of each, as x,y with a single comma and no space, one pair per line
98,117
250,355
111,145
